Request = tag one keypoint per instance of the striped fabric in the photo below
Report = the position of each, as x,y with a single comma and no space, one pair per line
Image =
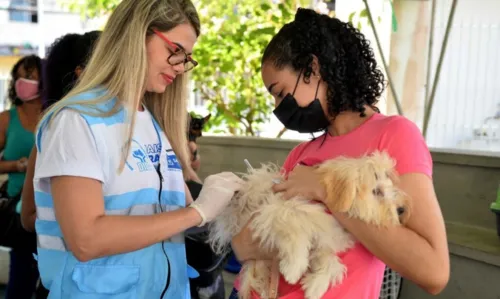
139,274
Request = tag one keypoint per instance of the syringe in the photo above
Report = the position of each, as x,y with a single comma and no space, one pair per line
250,168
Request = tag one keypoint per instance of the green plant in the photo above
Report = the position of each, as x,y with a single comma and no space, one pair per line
362,18
90,8
229,50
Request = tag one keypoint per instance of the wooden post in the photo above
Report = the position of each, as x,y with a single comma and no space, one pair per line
407,62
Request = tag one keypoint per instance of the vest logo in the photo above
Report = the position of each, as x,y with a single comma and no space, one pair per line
153,151
172,162
140,158
142,164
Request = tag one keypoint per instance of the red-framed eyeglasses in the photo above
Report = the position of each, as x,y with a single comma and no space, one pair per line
178,55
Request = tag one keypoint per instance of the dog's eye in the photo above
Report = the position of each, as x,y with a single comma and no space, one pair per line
378,192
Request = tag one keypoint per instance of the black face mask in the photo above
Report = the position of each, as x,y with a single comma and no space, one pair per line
308,119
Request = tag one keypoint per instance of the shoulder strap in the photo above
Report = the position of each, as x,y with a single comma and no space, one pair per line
13,115
13,120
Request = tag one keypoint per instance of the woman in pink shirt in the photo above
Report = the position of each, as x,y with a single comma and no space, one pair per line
323,76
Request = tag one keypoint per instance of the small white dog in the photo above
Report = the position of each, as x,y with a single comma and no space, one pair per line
307,238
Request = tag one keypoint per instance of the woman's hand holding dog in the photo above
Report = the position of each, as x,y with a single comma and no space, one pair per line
245,247
304,181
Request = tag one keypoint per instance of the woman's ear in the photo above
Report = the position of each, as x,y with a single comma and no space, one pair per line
315,66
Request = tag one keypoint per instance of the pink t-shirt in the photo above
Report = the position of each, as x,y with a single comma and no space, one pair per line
399,137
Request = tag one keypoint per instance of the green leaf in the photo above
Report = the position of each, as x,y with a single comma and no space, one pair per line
363,13
351,17
265,6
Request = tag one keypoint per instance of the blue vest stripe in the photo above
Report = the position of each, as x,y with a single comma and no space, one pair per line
50,228
43,199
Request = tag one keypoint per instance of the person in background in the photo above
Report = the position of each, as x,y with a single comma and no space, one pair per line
66,60
212,287
112,159
324,78
16,140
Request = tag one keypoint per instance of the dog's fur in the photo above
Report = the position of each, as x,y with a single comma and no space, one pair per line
307,238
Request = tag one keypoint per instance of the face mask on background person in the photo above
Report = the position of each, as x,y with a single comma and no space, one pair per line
26,90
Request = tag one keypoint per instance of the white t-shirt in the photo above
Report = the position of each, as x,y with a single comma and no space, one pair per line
69,148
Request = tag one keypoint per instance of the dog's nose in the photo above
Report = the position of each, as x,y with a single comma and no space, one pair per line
401,210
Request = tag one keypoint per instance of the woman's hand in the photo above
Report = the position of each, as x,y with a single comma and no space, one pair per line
22,164
215,195
245,247
303,180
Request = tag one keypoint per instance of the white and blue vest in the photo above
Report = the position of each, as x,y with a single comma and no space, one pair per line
142,274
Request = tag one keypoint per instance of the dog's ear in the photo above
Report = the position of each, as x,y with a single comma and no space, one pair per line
343,192
206,118
340,191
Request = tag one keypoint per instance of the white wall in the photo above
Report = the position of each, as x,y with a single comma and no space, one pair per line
469,89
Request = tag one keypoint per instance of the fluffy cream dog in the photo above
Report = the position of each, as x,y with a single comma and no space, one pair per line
307,238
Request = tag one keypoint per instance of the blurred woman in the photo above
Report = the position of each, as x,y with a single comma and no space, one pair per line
16,140
66,60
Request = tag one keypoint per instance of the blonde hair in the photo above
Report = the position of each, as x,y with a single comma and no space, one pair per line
119,64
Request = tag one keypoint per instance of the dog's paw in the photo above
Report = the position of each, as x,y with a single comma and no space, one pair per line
293,270
315,285
337,273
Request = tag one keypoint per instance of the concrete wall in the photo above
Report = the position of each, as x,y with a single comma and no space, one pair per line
465,184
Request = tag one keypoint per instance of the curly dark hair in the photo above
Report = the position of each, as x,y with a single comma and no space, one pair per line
65,55
30,63
347,63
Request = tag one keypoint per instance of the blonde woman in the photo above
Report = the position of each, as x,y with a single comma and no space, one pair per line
112,158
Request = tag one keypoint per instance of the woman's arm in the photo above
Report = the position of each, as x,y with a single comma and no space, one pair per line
90,234
28,209
419,250
189,197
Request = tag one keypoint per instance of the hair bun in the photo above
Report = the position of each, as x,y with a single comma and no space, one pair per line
305,15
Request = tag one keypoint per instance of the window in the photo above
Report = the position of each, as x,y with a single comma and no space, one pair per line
23,11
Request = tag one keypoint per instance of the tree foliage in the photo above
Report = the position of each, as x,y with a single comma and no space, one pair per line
234,35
